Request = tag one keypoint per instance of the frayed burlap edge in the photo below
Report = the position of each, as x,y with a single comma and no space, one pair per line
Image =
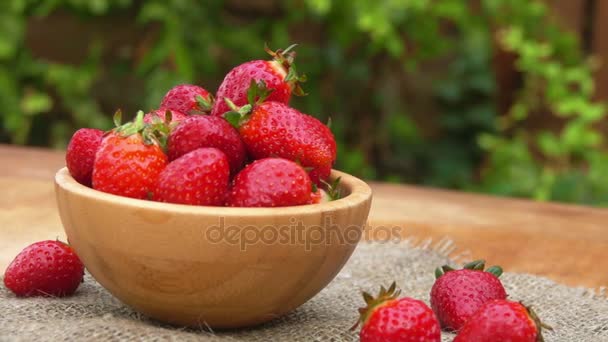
93,315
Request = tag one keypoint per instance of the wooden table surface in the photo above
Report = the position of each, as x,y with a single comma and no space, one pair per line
564,242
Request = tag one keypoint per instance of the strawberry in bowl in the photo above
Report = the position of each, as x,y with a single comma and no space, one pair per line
207,212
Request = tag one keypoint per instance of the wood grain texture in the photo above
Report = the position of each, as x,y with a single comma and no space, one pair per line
564,242
226,267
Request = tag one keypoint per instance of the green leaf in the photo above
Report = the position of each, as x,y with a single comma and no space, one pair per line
35,103
519,111
11,30
549,144
495,270
321,7
252,92
447,268
234,118
438,272
475,265
205,104
117,118
257,92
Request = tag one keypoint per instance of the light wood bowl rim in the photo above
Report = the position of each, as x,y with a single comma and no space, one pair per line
358,192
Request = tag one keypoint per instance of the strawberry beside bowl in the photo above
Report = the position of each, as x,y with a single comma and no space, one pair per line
220,267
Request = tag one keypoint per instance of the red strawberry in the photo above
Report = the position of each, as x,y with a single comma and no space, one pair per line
279,75
387,319
321,173
129,161
160,116
270,182
45,268
502,320
80,155
457,294
275,129
207,131
188,98
199,178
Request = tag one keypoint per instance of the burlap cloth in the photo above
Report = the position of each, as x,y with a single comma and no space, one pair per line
92,314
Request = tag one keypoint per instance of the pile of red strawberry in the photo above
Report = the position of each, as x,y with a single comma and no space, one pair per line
470,301
245,148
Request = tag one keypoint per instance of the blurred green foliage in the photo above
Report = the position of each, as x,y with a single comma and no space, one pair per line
374,67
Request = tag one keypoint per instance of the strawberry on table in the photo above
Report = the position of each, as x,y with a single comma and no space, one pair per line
129,160
188,99
502,320
81,152
199,177
270,182
388,318
275,129
457,294
279,75
45,268
207,131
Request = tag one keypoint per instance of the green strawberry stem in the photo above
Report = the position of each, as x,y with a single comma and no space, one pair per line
237,115
333,189
160,129
495,270
290,47
283,56
257,93
131,127
540,326
286,58
477,265
384,296
156,132
117,118
439,271
205,103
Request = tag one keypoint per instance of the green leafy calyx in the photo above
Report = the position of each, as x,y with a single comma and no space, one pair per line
333,189
286,59
155,132
384,296
204,104
477,265
257,93
540,326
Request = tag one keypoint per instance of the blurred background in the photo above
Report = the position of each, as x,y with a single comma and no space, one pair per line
493,96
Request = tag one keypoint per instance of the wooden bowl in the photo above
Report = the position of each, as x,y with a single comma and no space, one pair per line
211,266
